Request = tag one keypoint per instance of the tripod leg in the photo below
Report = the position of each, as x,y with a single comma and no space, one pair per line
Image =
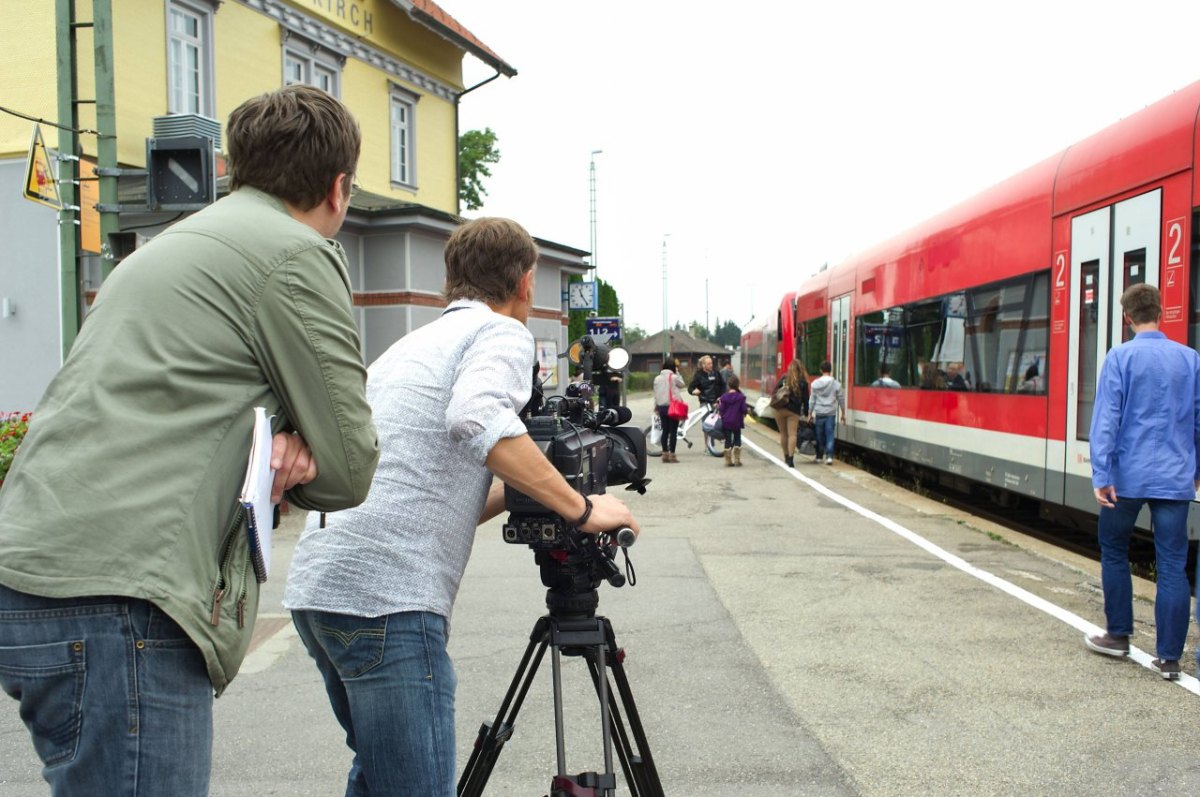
492,736
638,765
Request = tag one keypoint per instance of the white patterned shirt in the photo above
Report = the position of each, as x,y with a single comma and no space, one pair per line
442,397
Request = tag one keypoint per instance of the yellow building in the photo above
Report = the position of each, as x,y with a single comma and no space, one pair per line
184,65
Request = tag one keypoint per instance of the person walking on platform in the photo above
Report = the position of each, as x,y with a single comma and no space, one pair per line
732,406
788,417
1144,437
828,402
667,385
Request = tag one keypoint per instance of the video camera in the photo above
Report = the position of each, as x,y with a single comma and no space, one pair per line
593,451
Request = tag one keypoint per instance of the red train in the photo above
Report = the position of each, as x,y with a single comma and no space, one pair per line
995,316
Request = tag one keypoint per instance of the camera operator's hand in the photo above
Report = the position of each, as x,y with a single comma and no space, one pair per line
293,464
608,514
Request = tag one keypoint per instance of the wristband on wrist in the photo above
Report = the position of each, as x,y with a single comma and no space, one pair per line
587,512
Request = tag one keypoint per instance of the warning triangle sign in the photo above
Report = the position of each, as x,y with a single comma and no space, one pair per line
40,179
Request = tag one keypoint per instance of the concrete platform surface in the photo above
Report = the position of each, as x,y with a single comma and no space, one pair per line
807,631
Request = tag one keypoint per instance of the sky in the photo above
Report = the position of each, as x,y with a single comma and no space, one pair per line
759,141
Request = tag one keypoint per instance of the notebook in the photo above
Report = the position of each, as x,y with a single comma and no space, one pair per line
256,495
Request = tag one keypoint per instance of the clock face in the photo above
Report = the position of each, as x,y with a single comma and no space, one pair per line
581,296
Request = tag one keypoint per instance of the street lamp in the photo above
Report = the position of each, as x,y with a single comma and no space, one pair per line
666,336
592,198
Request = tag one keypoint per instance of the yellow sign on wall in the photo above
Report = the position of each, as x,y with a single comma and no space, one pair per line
357,16
40,176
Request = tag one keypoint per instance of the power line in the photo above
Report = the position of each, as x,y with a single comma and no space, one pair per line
85,131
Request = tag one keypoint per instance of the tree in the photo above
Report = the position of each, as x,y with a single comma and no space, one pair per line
633,333
727,334
476,149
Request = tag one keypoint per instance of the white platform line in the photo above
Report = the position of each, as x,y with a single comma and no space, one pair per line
1143,658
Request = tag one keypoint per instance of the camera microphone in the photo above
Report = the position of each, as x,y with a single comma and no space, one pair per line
614,416
626,537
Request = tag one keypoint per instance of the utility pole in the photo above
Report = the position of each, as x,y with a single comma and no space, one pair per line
68,171
666,335
106,128
592,218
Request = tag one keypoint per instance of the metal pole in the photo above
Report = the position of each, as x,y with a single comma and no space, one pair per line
666,336
106,126
592,217
68,174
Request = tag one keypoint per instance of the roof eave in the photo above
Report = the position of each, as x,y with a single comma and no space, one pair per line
468,43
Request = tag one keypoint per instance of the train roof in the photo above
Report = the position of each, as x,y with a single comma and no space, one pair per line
1148,145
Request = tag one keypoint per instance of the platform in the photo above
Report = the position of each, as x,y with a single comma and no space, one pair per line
807,631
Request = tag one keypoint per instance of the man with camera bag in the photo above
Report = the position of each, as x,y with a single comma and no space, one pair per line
372,593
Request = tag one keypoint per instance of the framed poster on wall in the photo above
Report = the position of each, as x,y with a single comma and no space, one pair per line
547,357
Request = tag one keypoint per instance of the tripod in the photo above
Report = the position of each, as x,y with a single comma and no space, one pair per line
572,629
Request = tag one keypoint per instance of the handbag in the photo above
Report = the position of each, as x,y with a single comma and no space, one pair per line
712,423
677,409
781,396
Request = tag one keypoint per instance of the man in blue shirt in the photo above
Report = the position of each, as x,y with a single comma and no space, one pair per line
1144,437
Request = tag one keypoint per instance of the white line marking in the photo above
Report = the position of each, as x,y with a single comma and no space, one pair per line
1143,658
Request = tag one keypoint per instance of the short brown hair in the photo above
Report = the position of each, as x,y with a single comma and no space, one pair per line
486,259
292,143
1142,303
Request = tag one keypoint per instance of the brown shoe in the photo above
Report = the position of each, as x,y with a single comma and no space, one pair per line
1169,670
737,456
729,457
1109,645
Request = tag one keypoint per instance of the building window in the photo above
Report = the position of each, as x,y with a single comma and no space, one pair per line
404,105
189,58
312,65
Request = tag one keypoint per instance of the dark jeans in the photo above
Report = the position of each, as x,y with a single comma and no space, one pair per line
115,695
733,438
1172,603
670,429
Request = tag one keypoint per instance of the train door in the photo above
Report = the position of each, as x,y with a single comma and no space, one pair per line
1111,249
839,337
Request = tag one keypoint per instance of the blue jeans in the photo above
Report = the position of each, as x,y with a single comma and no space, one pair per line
391,684
1172,603
115,695
826,425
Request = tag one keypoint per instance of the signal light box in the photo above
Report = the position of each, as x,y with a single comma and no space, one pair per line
181,173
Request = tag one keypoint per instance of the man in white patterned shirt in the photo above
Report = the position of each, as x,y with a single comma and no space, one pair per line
372,592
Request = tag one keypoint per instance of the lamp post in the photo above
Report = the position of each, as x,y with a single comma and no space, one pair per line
592,217
666,335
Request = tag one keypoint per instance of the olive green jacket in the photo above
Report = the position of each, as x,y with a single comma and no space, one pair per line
127,483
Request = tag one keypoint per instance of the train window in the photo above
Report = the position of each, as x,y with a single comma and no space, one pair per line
1089,330
812,351
1135,274
879,340
993,338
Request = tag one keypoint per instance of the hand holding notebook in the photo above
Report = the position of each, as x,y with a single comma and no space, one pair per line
256,495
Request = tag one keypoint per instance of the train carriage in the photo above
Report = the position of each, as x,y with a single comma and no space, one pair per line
995,316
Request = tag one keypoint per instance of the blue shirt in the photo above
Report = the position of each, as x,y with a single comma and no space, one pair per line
1146,422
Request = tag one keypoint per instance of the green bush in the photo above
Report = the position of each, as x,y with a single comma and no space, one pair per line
639,381
13,426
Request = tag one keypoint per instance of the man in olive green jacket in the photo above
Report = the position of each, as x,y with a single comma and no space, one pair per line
127,595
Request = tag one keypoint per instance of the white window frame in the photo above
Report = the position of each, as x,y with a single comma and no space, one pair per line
197,97
307,62
402,136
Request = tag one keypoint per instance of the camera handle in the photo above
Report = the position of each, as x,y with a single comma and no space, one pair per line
592,639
